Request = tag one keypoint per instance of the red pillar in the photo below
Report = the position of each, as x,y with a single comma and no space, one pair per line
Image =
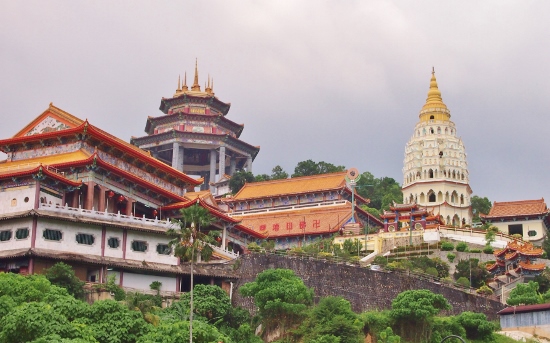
129,207
89,195
101,202
76,194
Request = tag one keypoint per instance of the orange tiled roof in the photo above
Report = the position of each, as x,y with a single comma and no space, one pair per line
44,160
304,184
516,208
532,266
291,223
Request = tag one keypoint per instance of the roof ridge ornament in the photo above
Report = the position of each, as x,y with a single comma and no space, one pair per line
196,86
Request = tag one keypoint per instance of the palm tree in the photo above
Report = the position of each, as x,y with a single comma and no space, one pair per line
190,242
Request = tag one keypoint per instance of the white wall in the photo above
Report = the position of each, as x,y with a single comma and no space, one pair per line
151,253
68,242
528,225
13,225
20,194
142,281
115,233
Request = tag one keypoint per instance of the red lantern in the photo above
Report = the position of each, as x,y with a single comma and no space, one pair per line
155,213
218,239
120,198
341,231
111,194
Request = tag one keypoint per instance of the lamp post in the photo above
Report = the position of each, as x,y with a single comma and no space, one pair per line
453,336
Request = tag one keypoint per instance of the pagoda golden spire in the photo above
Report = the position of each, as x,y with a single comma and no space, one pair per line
185,88
196,86
434,108
208,87
179,84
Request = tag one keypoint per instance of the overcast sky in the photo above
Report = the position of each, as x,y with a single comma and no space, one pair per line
335,81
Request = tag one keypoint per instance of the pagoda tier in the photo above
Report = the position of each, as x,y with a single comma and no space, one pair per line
195,137
517,256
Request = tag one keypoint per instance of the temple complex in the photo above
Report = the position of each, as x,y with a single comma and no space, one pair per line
72,192
195,137
298,210
401,217
435,170
528,218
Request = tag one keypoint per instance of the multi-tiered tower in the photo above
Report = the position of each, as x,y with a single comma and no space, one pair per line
435,170
195,137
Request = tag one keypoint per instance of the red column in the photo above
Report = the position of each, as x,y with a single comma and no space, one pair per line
129,208
101,202
76,194
89,195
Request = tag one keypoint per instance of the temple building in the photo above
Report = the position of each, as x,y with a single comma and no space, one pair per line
295,211
435,170
195,137
72,192
528,218
401,217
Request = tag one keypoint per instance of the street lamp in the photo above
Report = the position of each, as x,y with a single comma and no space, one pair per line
452,336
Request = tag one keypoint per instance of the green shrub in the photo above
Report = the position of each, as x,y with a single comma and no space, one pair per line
254,247
325,255
432,271
451,257
476,251
447,246
462,246
488,250
484,290
463,281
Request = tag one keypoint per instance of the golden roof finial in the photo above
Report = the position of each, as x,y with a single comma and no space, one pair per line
179,84
434,108
208,88
196,86
185,88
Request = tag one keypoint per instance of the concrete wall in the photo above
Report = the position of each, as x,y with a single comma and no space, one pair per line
364,288
528,225
68,242
151,253
142,281
13,225
13,199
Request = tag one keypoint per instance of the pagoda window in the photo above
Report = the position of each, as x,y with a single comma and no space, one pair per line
163,249
447,196
22,233
422,198
139,246
424,132
411,198
432,117
440,196
462,176
52,235
448,221
431,130
431,196
113,242
431,173
462,199
446,131
5,235
438,130
84,238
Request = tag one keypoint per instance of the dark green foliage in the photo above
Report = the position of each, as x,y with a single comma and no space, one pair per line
463,281
382,192
451,257
431,271
478,272
476,325
277,173
488,250
387,336
281,298
375,322
543,279
332,317
479,206
424,262
238,179
210,302
309,167
445,326
62,275
179,332
447,246
461,246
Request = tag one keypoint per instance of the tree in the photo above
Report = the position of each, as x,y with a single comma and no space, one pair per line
309,167
476,325
525,294
381,192
62,275
262,177
238,180
413,310
190,242
471,267
277,173
480,205
210,302
332,316
281,298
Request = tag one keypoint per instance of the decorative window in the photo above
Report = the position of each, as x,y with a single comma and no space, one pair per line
5,235
26,199
531,233
163,249
139,246
52,235
13,202
21,233
418,226
84,238
391,228
113,242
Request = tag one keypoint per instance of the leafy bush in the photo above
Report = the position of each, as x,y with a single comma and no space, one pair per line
476,325
432,271
488,250
451,257
484,290
254,247
461,246
447,246
463,281
62,275
476,251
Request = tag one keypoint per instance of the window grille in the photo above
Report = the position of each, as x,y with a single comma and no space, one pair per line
22,233
532,233
52,235
83,238
5,235
139,246
163,249
113,242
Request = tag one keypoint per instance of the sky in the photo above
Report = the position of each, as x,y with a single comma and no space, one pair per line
335,81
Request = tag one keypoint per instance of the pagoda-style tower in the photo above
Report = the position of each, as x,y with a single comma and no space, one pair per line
435,170
194,136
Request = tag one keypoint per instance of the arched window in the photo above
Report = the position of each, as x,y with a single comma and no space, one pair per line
438,130
447,196
424,132
446,131
411,198
462,176
440,196
422,198
462,199
432,130
431,174
431,197
431,117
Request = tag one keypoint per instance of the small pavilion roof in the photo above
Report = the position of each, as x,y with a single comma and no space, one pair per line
37,169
